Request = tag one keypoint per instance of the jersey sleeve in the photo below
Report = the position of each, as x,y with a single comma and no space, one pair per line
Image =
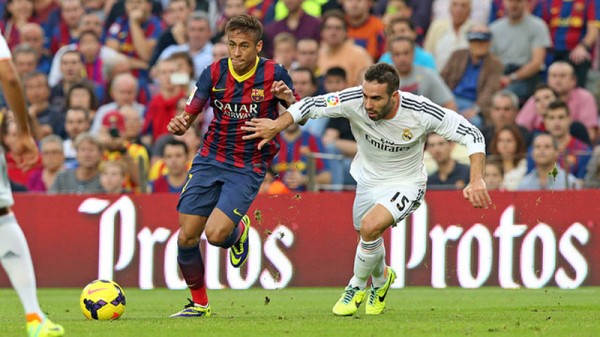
4,50
337,104
200,94
452,126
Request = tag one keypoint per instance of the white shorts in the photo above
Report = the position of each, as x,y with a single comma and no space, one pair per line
6,198
400,201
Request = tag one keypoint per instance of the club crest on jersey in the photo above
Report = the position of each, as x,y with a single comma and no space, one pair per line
332,100
257,95
407,135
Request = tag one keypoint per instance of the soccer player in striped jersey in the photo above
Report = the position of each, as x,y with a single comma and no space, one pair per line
390,128
14,251
227,172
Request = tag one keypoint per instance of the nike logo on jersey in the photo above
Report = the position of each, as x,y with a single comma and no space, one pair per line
9,255
218,89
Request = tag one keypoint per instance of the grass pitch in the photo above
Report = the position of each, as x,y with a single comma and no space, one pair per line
307,312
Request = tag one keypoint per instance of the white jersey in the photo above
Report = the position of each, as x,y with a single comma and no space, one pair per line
390,152
4,50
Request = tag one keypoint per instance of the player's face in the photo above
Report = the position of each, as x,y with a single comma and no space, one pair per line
243,51
378,104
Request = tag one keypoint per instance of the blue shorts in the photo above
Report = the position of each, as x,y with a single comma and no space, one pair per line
211,186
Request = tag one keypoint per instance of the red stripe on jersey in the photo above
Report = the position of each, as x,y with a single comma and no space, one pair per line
215,69
223,131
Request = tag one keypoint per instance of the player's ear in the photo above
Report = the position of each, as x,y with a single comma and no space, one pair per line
259,46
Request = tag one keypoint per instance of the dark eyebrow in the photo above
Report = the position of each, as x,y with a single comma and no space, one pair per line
372,97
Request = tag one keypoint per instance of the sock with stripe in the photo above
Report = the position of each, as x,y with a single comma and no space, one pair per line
192,267
368,254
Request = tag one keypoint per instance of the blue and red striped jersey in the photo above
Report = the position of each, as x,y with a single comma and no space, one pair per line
236,99
567,21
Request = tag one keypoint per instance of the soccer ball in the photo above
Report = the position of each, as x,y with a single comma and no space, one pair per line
102,300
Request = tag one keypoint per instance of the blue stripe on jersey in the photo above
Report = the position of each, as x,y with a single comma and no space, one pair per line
430,109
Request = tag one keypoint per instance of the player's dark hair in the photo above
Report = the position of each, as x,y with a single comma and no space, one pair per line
177,142
384,73
245,23
336,72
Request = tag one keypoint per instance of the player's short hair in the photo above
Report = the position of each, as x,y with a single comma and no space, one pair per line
384,73
177,142
245,23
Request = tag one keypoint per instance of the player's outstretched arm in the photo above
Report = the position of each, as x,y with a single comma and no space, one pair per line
476,191
180,123
266,128
25,150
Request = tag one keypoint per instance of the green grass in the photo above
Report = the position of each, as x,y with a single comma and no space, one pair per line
307,312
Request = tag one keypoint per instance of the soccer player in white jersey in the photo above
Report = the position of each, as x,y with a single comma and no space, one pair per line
14,252
390,128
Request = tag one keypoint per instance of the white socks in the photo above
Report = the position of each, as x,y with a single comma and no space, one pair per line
16,260
369,256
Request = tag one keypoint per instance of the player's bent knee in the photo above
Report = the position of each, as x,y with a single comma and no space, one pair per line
184,240
369,230
216,236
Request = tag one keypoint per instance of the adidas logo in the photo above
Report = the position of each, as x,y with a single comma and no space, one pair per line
9,255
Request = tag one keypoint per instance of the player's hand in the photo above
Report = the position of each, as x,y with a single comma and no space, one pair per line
178,125
477,194
281,91
264,128
25,152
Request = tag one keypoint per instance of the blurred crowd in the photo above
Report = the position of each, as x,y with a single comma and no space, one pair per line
102,79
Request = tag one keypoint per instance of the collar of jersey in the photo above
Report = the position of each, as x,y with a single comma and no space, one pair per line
246,75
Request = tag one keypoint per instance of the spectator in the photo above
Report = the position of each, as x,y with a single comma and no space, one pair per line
197,45
305,85
163,105
446,36
67,29
72,69
543,95
46,11
291,163
97,69
338,138
338,51
520,41
450,174
284,50
231,8
33,35
134,156
574,154
82,95
112,176
297,22
77,121
419,13
581,102
403,28
508,148
547,175
192,138
307,56
53,159
493,175
416,79
176,16
573,29
123,91
47,119
220,51
25,59
135,35
480,11
365,29
17,14
9,135
473,76
86,177
175,157
184,70
505,105
497,10
133,125
592,177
